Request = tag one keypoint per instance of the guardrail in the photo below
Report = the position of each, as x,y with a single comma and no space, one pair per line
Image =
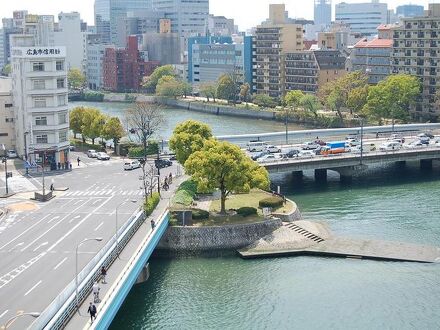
58,313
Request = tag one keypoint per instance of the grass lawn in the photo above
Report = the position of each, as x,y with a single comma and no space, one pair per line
217,220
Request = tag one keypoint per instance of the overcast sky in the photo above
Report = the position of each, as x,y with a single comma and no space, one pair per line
247,13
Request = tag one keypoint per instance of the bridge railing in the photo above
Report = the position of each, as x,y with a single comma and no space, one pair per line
57,314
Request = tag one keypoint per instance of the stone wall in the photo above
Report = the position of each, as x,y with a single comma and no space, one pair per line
294,215
190,240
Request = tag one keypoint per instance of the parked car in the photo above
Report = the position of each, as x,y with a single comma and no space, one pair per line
92,153
426,134
268,158
259,154
11,154
390,146
414,144
131,165
161,163
273,149
310,145
72,148
306,154
102,156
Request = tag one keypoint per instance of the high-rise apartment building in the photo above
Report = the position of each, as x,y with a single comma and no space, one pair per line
322,14
362,17
416,52
272,42
40,97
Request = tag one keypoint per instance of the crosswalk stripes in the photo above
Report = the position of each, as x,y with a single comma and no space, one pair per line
103,193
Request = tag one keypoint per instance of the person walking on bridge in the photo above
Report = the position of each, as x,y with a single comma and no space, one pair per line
92,312
95,290
103,274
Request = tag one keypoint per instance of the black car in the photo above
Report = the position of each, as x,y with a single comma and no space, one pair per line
161,163
259,154
292,153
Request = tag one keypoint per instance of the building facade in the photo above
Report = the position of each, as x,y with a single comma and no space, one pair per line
221,26
95,58
40,97
7,114
410,11
322,12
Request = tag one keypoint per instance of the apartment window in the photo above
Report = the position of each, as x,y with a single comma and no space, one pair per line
62,118
8,105
62,99
60,83
9,120
39,84
62,136
40,121
42,138
40,103
60,65
38,66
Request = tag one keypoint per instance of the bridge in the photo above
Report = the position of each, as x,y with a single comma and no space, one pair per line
347,164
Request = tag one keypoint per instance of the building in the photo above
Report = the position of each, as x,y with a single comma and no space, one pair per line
272,42
322,12
124,68
221,26
95,58
39,79
374,56
410,11
362,17
415,52
102,20
162,46
138,23
7,114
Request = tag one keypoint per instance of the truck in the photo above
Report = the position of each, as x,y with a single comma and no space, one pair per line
332,148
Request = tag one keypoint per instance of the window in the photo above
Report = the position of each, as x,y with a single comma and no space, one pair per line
9,120
40,121
62,118
60,65
62,136
60,83
8,105
42,138
38,66
40,103
39,84
61,99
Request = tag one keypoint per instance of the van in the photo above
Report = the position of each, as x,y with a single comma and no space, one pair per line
256,146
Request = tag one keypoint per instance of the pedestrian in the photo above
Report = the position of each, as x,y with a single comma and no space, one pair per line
51,187
103,274
152,224
92,312
377,135
78,160
170,178
95,290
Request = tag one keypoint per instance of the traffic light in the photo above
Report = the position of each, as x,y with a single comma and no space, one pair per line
9,175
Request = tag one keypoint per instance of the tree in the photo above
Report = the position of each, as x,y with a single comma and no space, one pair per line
265,101
152,80
186,87
93,122
244,92
113,130
293,98
393,97
76,118
357,98
310,103
76,79
224,166
227,87
188,137
208,90
7,69
168,86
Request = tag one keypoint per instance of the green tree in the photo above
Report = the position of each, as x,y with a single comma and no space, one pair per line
186,87
76,79
169,86
293,98
393,97
7,69
93,123
310,103
224,166
357,98
244,92
265,101
189,137
227,87
152,80
76,118
209,90
113,129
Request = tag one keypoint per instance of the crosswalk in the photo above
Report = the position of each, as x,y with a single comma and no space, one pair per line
104,192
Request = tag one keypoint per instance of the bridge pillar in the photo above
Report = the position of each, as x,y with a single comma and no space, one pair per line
321,175
297,176
144,275
401,163
426,164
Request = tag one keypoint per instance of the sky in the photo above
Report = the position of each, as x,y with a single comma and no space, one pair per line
247,13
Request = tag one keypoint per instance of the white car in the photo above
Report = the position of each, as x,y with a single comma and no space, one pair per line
390,146
92,153
306,154
351,142
132,164
414,145
273,149
11,154
311,145
267,158
102,156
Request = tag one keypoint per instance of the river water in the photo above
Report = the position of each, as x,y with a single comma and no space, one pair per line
389,203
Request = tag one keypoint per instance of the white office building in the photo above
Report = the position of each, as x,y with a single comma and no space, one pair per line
39,86
362,17
95,57
7,132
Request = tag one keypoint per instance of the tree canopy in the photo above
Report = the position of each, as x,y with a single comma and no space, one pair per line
113,129
76,117
310,103
224,166
265,101
152,80
227,87
208,90
189,137
293,98
76,79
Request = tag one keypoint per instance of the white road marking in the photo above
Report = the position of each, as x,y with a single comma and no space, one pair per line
60,263
97,201
99,226
30,290
78,201
3,314
42,244
75,217
54,218
8,277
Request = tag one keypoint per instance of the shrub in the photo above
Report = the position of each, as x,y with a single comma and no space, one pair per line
93,96
185,193
246,211
273,201
198,214
130,98
151,203
138,151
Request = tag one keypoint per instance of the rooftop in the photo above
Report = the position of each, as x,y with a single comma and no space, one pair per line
374,43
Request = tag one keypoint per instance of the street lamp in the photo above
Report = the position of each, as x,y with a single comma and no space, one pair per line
116,227
98,239
12,319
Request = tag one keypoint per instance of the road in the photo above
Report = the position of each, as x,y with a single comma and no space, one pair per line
38,240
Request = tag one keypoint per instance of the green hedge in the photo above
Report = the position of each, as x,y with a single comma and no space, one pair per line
138,151
151,203
273,201
93,96
185,193
198,214
246,211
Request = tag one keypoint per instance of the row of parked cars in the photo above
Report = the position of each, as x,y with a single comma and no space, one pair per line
98,155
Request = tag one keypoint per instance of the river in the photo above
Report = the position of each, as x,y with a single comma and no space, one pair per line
390,203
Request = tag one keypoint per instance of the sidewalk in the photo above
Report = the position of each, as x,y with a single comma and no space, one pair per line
82,320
